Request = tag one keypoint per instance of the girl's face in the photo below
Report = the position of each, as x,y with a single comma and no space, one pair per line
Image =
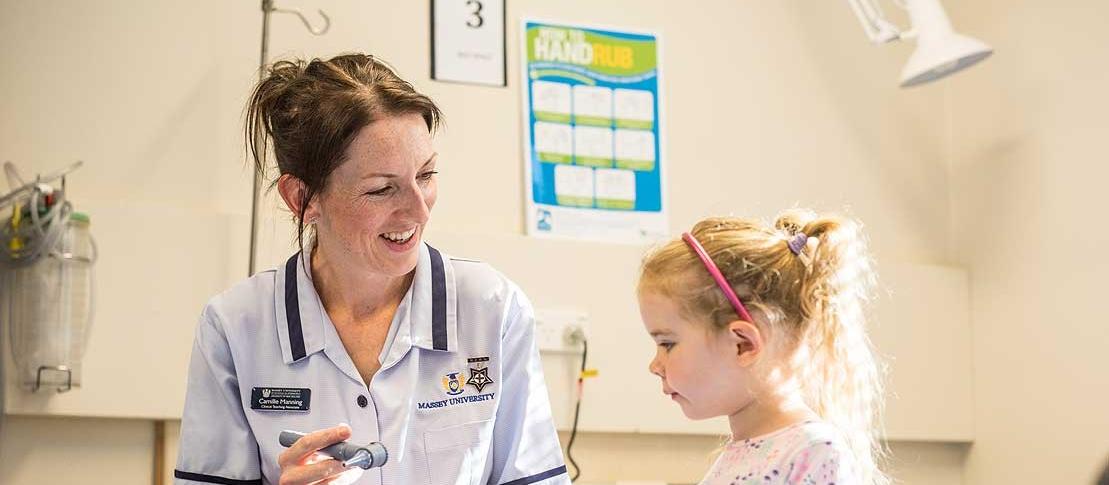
376,204
699,366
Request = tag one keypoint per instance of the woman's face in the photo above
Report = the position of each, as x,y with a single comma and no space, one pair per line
375,206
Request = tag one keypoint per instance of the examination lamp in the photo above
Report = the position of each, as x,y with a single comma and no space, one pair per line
940,50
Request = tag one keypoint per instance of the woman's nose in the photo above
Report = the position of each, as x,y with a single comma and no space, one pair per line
416,207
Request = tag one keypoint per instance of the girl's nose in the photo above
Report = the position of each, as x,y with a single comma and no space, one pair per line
655,367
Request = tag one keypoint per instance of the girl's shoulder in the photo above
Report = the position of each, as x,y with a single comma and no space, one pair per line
820,455
810,453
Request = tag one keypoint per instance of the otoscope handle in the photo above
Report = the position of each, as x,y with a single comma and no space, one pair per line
344,451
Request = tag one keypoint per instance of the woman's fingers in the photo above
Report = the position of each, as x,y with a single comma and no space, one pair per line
310,443
301,465
306,474
348,477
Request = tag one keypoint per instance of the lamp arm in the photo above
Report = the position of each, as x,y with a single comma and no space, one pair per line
878,29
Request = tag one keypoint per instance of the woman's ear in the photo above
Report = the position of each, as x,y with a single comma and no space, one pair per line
293,191
747,340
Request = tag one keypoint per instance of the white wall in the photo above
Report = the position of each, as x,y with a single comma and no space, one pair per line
768,104
39,450
1028,181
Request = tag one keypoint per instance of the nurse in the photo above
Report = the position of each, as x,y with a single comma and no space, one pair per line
367,324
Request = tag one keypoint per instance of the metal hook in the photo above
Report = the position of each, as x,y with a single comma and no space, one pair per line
303,19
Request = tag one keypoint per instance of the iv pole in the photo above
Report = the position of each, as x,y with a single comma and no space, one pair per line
256,199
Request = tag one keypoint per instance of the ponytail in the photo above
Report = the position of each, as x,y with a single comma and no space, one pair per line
839,373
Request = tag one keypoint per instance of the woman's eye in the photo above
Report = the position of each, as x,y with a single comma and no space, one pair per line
381,191
427,175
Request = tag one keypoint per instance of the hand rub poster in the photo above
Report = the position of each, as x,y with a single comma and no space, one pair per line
593,150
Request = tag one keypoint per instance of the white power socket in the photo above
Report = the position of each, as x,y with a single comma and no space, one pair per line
560,330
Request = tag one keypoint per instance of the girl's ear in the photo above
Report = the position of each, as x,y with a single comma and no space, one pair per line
748,341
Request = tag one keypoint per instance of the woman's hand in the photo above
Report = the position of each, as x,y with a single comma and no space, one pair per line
301,465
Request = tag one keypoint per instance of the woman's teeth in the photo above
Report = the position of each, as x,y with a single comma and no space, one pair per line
399,237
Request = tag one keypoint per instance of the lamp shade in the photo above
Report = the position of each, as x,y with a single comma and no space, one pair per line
940,51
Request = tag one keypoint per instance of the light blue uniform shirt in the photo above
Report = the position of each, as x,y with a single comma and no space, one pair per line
459,398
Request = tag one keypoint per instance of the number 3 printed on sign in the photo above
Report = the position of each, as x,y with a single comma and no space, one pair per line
476,21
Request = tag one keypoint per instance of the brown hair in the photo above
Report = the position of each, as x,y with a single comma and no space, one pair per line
307,113
813,298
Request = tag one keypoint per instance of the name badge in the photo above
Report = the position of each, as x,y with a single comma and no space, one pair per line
280,398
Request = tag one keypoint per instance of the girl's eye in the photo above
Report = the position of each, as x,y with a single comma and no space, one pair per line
666,345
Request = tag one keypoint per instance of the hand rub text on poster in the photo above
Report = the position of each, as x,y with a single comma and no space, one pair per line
570,46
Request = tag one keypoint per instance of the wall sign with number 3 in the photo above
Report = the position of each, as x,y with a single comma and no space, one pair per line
467,41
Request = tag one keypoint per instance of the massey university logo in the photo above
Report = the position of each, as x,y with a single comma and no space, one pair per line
266,393
479,377
452,384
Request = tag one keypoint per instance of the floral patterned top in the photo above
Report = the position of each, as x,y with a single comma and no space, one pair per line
806,453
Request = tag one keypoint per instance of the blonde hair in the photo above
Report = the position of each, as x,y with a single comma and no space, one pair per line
814,299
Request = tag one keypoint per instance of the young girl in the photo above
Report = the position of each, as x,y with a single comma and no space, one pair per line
765,325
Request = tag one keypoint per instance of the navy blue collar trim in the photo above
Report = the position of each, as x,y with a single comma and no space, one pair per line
439,336
438,300
292,309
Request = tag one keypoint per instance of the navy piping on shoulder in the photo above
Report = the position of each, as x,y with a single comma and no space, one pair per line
197,477
292,309
553,472
438,300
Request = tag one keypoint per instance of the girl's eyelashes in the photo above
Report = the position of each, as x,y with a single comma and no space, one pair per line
666,345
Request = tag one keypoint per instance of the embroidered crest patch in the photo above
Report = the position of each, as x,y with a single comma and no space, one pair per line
479,377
